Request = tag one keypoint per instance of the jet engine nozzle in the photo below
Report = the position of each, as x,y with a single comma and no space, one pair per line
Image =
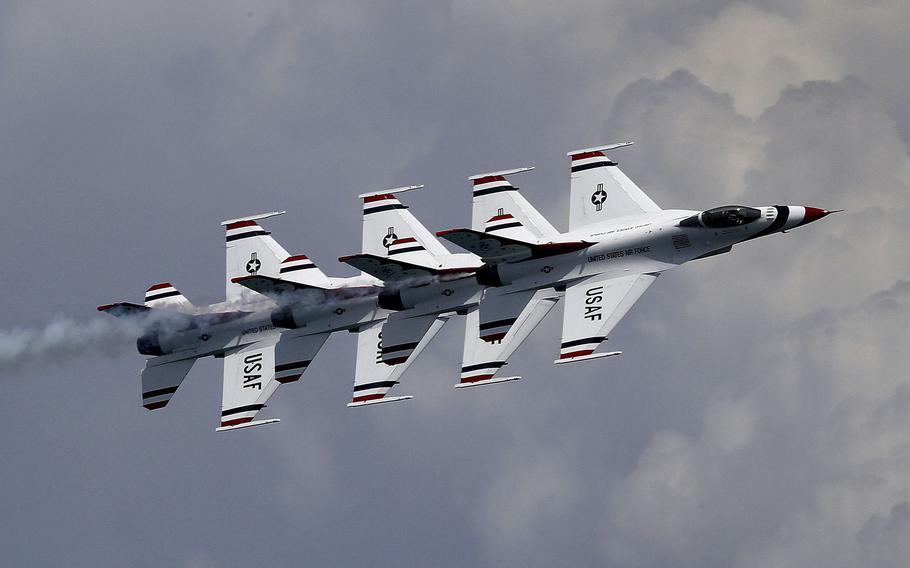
283,317
150,344
391,300
488,275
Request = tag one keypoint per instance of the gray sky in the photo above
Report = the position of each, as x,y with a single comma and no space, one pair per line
761,412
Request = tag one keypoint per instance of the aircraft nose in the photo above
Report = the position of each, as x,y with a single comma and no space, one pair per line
814,214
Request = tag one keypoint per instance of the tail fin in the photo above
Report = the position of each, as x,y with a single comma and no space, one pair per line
164,295
500,209
390,230
250,250
600,191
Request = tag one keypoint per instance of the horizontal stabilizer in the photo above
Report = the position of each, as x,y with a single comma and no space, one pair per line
247,425
497,248
480,383
586,357
376,401
390,270
121,309
275,288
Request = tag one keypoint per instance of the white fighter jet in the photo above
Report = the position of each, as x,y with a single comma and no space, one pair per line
618,243
268,330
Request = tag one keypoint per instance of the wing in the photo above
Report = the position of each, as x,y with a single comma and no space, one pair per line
599,189
294,353
374,378
160,379
497,248
485,350
593,307
249,381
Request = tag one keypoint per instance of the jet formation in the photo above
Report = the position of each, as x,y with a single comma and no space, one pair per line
280,308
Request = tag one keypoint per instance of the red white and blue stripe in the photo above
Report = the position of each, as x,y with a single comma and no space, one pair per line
243,230
295,263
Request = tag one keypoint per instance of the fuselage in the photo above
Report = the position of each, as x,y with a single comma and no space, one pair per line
650,243
636,244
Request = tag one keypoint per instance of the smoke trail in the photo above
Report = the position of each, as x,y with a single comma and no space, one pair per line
65,339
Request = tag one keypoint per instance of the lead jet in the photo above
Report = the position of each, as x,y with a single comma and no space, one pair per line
279,311
619,241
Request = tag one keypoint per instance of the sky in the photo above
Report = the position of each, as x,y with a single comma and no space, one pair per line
760,414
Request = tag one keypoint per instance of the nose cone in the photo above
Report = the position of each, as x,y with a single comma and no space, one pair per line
814,214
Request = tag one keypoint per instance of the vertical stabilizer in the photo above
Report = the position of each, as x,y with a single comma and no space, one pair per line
251,250
501,209
164,295
390,230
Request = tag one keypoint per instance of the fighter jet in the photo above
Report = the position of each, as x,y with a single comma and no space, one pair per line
279,311
424,284
619,241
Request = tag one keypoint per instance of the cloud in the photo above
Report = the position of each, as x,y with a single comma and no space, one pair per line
756,417
799,467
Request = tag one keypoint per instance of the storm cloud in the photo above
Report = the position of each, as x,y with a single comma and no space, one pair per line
759,415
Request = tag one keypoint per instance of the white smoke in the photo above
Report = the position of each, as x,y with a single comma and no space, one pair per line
65,339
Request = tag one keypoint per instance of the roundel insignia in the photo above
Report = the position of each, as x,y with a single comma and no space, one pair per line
389,238
339,311
254,264
599,197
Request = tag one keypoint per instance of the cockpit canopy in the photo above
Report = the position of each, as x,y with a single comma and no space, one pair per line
723,217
